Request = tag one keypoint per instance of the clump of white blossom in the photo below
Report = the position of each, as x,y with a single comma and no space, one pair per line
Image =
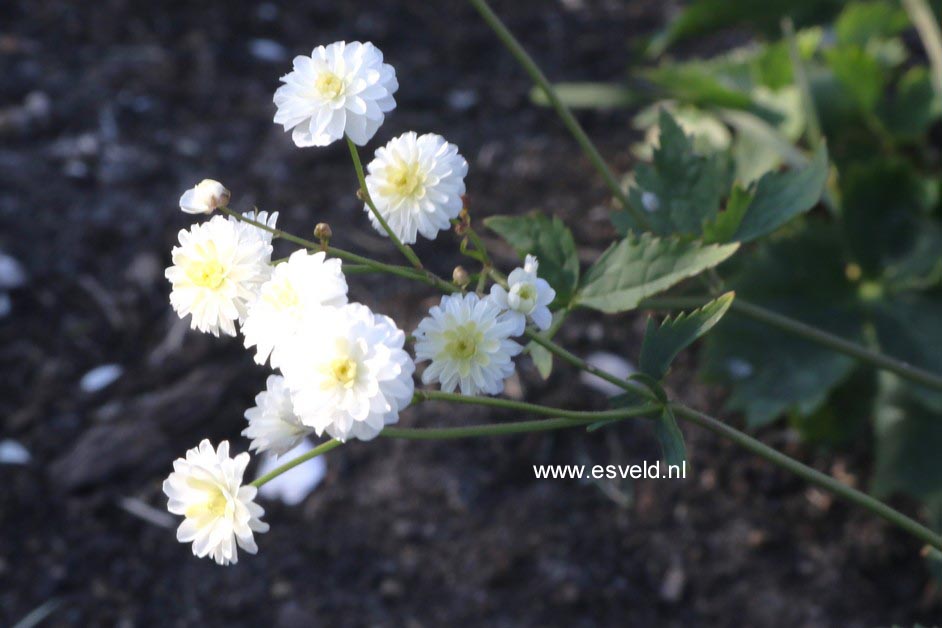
348,372
217,272
340,368
341,89
219,511
416,183
468,340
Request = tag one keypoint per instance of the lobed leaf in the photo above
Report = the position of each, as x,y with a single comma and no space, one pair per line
642,266
663,342
680,189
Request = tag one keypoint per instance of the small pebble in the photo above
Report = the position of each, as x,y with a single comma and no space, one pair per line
268,50
12,275
616,365
100,377
11,452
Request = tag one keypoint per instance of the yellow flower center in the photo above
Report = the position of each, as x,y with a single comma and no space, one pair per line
462,342
405,179
329,85
282,296
344,371
207,274
213,507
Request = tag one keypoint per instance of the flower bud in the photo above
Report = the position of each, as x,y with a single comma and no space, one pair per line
460,277
322,232
204,197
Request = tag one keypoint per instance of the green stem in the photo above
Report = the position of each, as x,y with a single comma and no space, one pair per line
804,87
531,68
358,166
509,404
813,334
391,269
810,475
579,363
493,429
323,448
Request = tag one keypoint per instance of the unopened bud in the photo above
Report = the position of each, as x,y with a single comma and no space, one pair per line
323,233
205,197
460,276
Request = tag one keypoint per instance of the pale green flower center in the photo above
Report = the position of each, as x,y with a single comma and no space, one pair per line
405,179
282,296
213,507
461,343
329,85
207,274
344,371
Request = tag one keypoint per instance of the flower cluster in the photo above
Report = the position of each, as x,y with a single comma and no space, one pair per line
339,368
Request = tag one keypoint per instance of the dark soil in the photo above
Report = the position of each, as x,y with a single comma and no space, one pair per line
109,109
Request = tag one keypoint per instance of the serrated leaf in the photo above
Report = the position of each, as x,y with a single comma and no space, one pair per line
663,342
550,240
671,438
639,267
680,189
588,95
780,196
770,371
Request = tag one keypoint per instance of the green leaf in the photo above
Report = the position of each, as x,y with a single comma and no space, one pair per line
920,267
859,73
702,16
550,240
880,198
780,196
542,359
909,327
723,228
680,189
845,418
909,112
663,342
769,371
860,22
908,439
671,438
588,96
693,83
639,267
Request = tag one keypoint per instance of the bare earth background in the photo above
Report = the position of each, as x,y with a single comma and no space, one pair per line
109,109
